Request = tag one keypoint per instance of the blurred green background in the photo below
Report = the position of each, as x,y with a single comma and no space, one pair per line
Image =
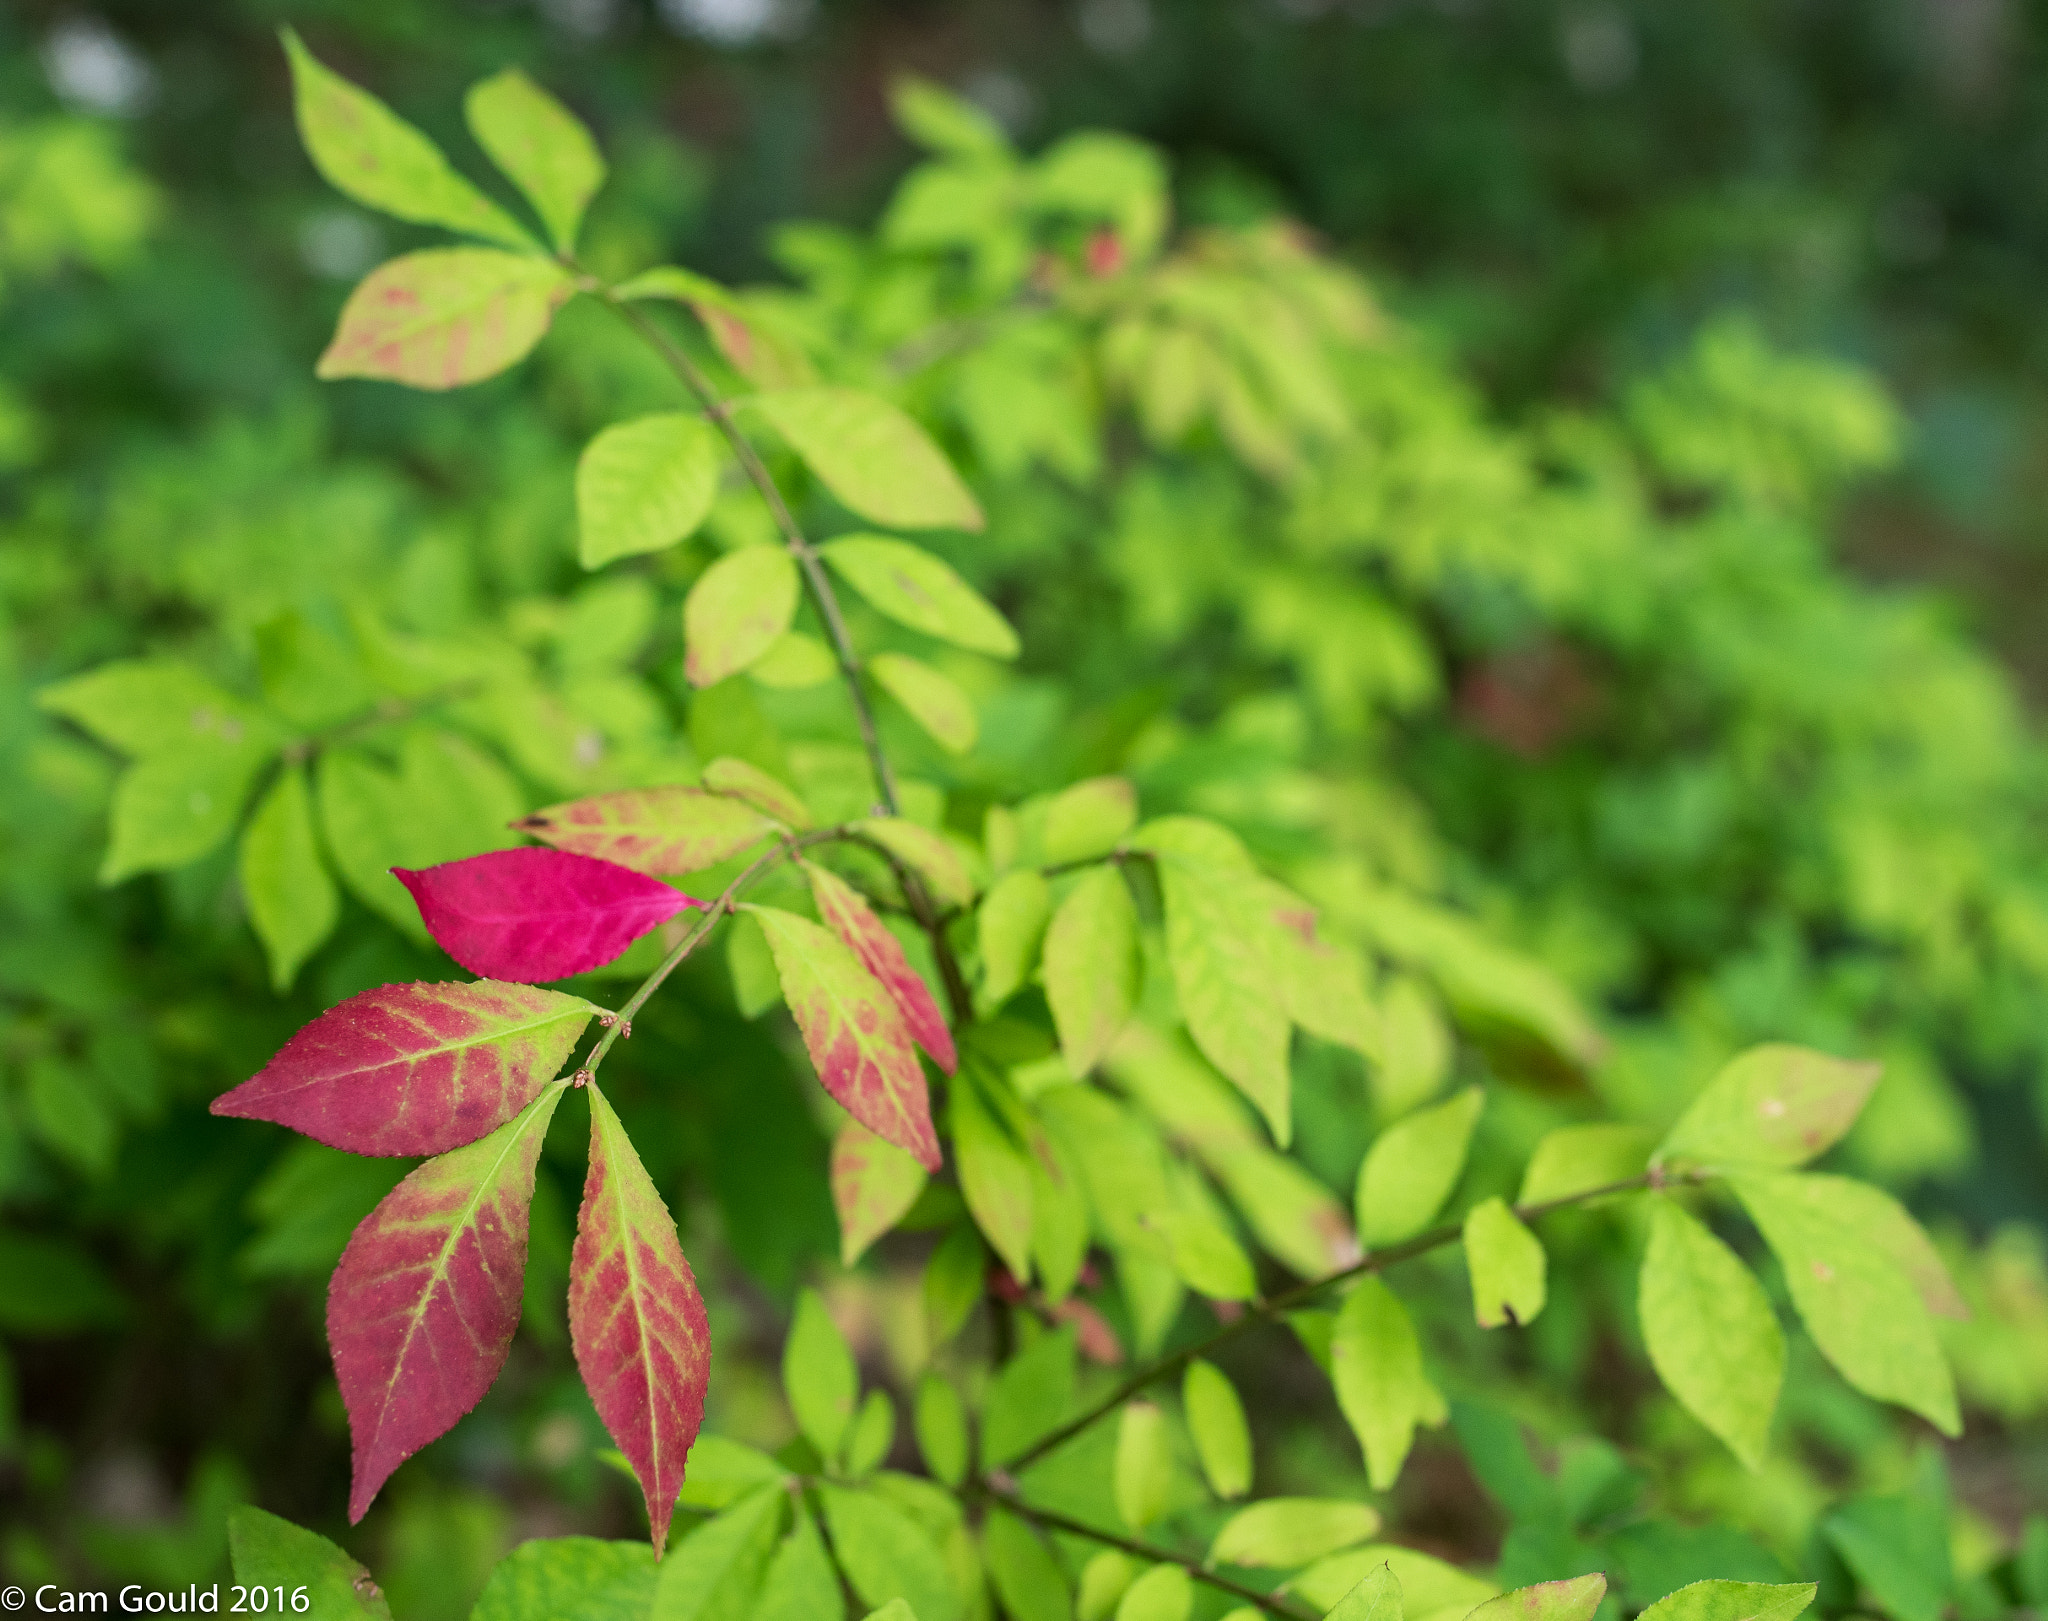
1556,200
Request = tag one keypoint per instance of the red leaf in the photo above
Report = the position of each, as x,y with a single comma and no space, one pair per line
636,1320
652,830
415,1069
421,1310
853,1033
531,914
854,921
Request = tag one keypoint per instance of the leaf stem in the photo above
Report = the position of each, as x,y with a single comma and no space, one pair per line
1274,1306
1049,1520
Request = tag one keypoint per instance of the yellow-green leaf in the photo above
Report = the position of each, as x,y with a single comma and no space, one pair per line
541,146
445,317
819,1375
1285,1533
1572,1600
1011,927
1088,818
914,588
1412,1167
995,1179
736,611
293,903
1771,1108
644,485
1733,1601
872,457
1143,1474
1573,1160
934,702
1092,966
925,853
1506,1263
1376,1367
1223,1440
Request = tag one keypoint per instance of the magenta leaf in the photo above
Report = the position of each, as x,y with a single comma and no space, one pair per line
415,1069
853,1032
881,953
636,1320
421,1310
652,830
532,914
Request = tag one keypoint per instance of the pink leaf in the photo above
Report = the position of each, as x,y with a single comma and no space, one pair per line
421,1310
537,914
415,1069
854,921
636,1320
854,1034
652,830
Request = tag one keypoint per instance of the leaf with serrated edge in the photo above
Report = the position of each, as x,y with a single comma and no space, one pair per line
874,458
531,915
269,1552
421,1310
850,917
1710,1332
874,1184
541,145
1733,1601
1092,966
636,1320
1857,1302
914,588
755,787
1572,1600
644,485
1285,1533
718,1570
855,1036
738,609
415,1069
658,831
445,317
555,1578
1506,1263
925,853
1771,1108
366,150
1376,1598
931,699
1412,1167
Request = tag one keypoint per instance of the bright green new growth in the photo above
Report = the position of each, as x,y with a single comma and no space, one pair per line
1412,1167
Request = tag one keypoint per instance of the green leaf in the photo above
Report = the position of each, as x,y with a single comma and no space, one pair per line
1215,1418
1324,981
925,853
270,1552
914,588
1376,1598
1859,1305
801,1584
819,1375
757,788
1285,1533
736,611
1898,1545
934,702
292,901
1412,1167
995,1179
1144,1464
1430,1589
1206,1257
794,662
894,1610
952,1282
873,1433
1092,966
368,152
1376,1367
569,1579
1021,1567
716,1572
873,458
1218,942
1163,1593
541,147
942,122
445,317
1028,1397
887,1555
151,706
941,1423
171,809
1773,1107
1059,1218
1572,1600
721,1472
1507,1266
1104,1581
1088,819
1733,1601
1573,1160
1710,1332
1011,927
643,485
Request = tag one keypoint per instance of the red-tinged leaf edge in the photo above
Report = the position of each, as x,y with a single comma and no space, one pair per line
415,1069
850,917
658,831
422,1307
636,1319
533,914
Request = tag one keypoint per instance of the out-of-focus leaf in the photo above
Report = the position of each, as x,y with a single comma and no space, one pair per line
643,485
873,458
445,317
541,145
914,588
